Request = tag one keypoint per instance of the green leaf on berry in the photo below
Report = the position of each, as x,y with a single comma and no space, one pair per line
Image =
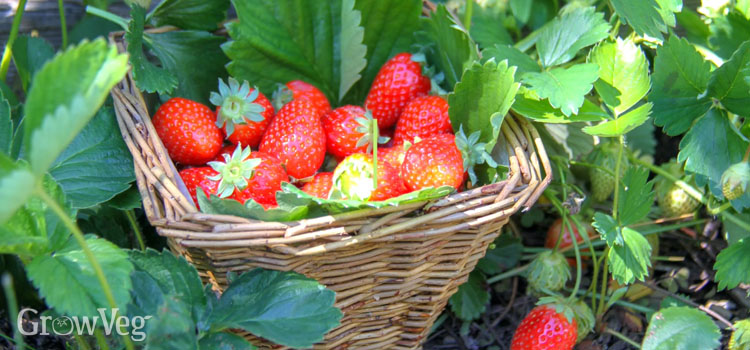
454,50
471,299
278,41
636,193
730,265
190,14
623,66
561,39
621,125
564,87
630,261
730,83
680,78
681,328
481,99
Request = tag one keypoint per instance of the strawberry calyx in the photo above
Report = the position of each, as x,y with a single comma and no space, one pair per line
436,78
368,127
573,310
735,180
237,104
473,152
353,178
282,96
561,305
234,172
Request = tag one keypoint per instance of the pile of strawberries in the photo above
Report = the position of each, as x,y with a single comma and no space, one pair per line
290,144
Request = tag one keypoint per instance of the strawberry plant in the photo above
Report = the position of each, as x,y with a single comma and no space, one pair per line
287,110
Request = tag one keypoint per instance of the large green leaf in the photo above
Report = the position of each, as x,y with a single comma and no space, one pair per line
636,195
286,211
622,65
170,325
29,55
17,184
515,57
68,283
730,83
679,80
224,341
284,307
564,87
642,15
65,94
97,165
561,40
174,276
389,29
471,299
728,33
277,41
34,230
482,98
487,27
505,254
681,328
630,261
667,10
148,77
710,147
732,265
621,125
454,49
352,37
530,106
190,14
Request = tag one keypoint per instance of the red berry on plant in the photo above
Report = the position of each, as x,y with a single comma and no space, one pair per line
544,328
187,130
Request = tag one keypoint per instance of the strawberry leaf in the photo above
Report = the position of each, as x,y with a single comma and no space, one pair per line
453,50
148,77
278,41
288,210
623,66
731,265
486,28
567,34
515,57
679,80
271,303
621,125
65,94
630,261
189,14
67,281
643,16
504,253
95,166
530,106
681,328
481,99
608,229
728,33
564,87
730,83
352,37
224,341
471,299
636,193
29,55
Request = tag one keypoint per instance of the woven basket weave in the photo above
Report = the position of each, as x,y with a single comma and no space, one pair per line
393,269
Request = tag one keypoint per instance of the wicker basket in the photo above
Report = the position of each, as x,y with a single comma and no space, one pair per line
393,269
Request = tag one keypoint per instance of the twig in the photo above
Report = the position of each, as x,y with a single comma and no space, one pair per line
622,337
510,303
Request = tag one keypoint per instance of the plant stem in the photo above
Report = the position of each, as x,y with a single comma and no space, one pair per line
467,14
579,273
618,167
79,237
108,16
136,229
10,297
101,341
603,294
82,344
8,53
506,274
375,136
622,337
63,25
747,154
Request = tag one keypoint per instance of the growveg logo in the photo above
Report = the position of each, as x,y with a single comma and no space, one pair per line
66,325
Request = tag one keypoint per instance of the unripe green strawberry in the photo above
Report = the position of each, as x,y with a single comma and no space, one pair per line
584,318
675,202
735,180
740,339
548,271
602,182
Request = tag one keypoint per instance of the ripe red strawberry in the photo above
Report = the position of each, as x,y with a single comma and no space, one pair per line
422,117
188,131
296,138
242,112
348,131
553,234
545,329
353,179
393,155
300,90
264,182
433,162
199,177
320,185
398,82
